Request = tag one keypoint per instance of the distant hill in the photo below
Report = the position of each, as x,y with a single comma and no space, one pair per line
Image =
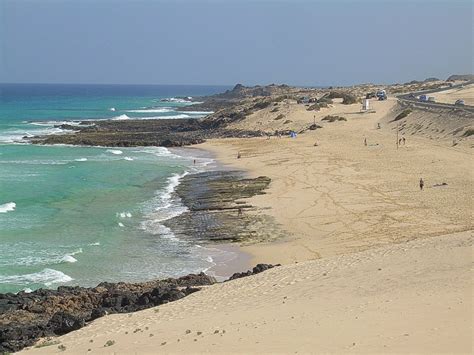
465,77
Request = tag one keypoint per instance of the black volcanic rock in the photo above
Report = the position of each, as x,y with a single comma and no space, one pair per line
26,317
256,270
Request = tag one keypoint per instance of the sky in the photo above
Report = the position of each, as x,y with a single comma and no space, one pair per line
224,42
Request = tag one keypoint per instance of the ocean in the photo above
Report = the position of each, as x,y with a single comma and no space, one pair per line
82,215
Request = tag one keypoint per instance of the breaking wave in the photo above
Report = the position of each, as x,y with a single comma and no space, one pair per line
46,277
7,207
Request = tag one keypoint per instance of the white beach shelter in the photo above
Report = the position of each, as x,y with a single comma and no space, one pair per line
365,105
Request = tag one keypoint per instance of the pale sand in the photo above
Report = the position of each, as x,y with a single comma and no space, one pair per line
465,93
380,285
343,196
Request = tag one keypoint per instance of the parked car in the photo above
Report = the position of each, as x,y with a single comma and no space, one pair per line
382,95
423,98
431,99
459,102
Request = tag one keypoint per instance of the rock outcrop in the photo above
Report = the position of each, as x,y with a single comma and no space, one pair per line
25,317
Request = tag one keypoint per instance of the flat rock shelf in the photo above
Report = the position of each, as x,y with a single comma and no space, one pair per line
217,210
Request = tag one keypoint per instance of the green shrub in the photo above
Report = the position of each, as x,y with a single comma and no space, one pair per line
325,100
47,343
314,107
109,343
347,99
330,118
402,114
235,116
468,132
261,105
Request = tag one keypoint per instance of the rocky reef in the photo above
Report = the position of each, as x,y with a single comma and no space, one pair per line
142,133
26,317
217,210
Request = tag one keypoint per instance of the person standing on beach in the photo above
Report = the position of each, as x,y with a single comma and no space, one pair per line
365,142
422,184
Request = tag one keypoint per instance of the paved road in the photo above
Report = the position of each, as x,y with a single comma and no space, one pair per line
407,98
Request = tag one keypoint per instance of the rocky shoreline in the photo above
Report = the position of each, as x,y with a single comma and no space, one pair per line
27,317
141,133
216,213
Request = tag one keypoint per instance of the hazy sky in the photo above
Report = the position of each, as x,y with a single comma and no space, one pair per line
229,41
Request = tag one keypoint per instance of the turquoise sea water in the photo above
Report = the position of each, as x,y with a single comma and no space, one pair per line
82,215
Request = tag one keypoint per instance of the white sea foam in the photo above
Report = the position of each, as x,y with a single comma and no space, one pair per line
121,224
54,123
81,159
163,207
78,251
180,100
121,117
158,151
124,214
46,277
114,151
153,110
173,117
128,158
199,112
27,290
17,136
68,259
112,109
7,207
36,162
95,244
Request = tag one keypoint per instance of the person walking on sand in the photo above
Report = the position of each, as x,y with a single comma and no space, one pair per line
404,140
422,184
365,142
238,155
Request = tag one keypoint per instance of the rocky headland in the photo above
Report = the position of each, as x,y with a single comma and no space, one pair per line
229,108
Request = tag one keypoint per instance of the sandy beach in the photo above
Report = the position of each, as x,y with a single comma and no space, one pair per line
371,264
342,196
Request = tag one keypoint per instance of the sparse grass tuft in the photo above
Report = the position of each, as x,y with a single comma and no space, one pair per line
402,114
347,99
109,343
314,107
47,343
468,132
330,118
279,117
